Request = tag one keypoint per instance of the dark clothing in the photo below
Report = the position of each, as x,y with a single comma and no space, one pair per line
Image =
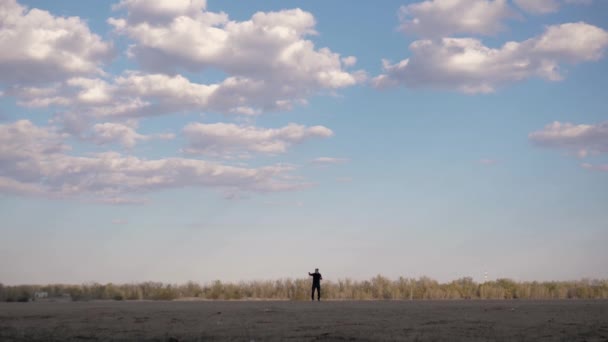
316,278
318,288
316,284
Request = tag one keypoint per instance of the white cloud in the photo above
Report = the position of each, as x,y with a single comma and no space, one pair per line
11,186
34,161
23,140
538,6
575,139
136,94
122,133
84,128
466,65
270,65
439,18
349,61
143,10
230,139
39,47
269,61
109,132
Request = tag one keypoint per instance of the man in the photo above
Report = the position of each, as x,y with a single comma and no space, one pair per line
316,284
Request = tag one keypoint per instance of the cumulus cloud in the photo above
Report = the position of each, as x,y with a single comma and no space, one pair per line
39,47
108,132
132,94
137,94
581,140
34,161
466,65
124,134
439,18
86,129
151,10
230,139
269,62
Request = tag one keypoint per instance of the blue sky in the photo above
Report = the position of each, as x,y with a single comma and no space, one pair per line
185,140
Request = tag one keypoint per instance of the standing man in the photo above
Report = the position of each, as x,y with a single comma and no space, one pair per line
316,284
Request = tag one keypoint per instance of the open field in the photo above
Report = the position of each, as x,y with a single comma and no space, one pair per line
506,320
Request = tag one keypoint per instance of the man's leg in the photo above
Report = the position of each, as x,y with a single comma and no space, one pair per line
319,292
312,295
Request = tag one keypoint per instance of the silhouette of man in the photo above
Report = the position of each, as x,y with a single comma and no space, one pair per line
316,284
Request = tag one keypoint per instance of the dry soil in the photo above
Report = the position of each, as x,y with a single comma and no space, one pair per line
472,320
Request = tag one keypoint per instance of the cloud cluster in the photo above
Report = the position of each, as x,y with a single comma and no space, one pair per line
124,134
441,59
229,139
151,10
581,140
57,63
39,47
466,65
136,94
34,161
108,132
269,62
439,18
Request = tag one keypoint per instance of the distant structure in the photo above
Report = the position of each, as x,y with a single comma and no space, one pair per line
40,295
485,277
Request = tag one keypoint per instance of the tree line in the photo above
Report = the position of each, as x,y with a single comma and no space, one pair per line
376,288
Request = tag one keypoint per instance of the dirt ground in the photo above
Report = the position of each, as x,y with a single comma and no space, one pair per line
306,321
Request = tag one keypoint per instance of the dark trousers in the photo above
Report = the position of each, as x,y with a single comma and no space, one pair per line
318,288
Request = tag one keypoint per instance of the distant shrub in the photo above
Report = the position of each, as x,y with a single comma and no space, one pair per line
377,288
164,293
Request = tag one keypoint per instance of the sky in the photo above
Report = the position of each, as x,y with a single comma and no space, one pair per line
200,140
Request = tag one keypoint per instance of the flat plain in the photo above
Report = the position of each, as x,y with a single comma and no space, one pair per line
462,320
